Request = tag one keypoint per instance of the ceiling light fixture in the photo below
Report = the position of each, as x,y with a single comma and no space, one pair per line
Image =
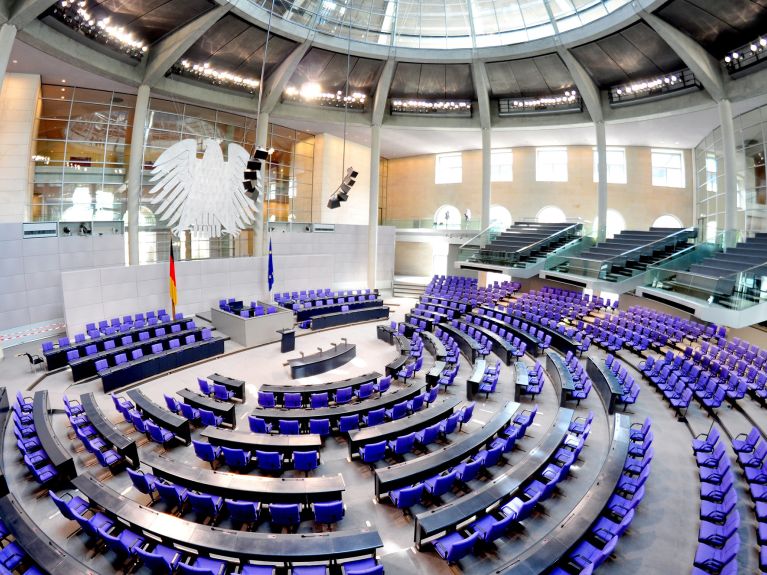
422,106
746,56
216,76
314,93
675,82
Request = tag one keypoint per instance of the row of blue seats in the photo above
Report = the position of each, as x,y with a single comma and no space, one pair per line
630,388
321,399
28,443
89,436
13,559
243,459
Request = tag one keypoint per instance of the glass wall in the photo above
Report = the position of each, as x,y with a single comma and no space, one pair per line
81,164
750,177
81,154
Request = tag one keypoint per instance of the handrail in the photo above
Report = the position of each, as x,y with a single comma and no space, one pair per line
487,229
645,246
547,238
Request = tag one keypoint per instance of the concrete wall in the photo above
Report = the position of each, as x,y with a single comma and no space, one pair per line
18,102
301,260
31,271
412,193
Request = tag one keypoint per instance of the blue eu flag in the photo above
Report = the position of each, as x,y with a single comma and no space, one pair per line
271,267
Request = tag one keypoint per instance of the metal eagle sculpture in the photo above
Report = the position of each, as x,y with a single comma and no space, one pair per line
204,195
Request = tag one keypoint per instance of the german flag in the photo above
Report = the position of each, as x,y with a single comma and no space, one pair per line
172,278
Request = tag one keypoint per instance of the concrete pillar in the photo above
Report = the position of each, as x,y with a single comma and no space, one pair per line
7,36
730,173
602,180
262,136
486,176
375,165
135,166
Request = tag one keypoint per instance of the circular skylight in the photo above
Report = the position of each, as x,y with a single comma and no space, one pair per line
440,24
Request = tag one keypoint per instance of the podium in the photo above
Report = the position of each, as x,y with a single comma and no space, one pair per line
288,340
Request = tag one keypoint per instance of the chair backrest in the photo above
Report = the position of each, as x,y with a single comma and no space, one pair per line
137,353
121,358
349,422
204,386
266,399
101,364
292,400
156,347
257,424
174,343
209,418
376,416
242,511
289,427
268,459
305,460
319,400
237,458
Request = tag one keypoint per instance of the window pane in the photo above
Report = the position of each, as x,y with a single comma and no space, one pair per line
448,169
501,162
551,164
668,168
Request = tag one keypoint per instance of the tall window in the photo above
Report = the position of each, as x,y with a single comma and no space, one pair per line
711,183
550,215
616,166
448,169
501,165
551,164
668,168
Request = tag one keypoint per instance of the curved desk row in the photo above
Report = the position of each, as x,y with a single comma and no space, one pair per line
322,361
285,444
533,343
260,488
237,386
227,543
223,409
501,347
157,363
605,381
351,316
60,456
434,522
335,413
161,416
468,345
307,390
36,544
434,345
124,445
391,429
475,379
314,311
559,340
415,470
553,546
556,368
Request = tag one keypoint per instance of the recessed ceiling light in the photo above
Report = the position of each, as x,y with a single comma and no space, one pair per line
15,61
63,89
63,81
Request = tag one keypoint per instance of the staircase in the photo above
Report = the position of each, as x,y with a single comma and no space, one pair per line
409,287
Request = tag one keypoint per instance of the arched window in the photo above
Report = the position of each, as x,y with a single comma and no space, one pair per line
550,215
447,216
615,223
667,221
500,217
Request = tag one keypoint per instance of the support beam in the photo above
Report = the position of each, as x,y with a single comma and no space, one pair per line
169,50
375,165
278,80
7,36
730,171
705,67
482,87
25,11
262,137
602,180
487,152
382,92
588,90
135,167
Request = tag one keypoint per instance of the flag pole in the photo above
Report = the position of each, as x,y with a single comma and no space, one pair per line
172,280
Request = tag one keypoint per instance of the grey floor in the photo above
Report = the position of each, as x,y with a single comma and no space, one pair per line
662,539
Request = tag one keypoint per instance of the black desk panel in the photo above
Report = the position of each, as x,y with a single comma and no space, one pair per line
59,455
222,408
245,545
235,385
148,366
560,376
351,316
501,347
313,312
385,333
335,413
415,470
123,444
445,518
57,357
434,345
161,416
552,547
475,379
4,413
304,490
428,322
322,361
391,429
285,444
521,379
558,340
469,346
433,375
36,544
605,382
307,390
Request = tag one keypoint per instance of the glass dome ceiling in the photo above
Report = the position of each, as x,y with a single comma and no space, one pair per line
440,24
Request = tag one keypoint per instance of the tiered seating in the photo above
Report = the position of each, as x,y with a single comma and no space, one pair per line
525,242
465,290
718,540
730,359
581,383
29,444
628,253
602,538
320,296
630,388
232,305
535,379
90,437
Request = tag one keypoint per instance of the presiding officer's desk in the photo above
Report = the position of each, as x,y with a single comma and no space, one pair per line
235,385
352,316
162,417
285,444
40,548
60,456
245,545
447,517
409,391
57,357
304,490
399,427
320,362
150,365
124,445
306,391
221,408
420,468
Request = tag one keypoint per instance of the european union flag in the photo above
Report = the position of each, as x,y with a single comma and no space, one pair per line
271,266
